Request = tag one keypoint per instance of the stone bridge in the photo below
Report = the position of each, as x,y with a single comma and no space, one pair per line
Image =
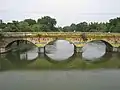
40,39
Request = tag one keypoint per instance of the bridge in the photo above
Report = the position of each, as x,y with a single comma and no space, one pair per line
41,39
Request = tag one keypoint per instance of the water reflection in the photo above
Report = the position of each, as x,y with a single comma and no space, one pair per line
19,57
60,50
30,54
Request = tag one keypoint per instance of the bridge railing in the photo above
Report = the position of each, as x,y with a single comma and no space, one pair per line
23,34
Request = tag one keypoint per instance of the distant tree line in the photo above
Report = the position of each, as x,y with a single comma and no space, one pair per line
48,24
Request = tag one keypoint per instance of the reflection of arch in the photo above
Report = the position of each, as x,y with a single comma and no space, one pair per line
14,58
103,59
63,61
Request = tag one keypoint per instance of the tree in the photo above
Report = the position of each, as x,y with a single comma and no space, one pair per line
66,28
96,27
45,28
73,27
82,27
59,29
40,28
11,27
48,21
30,21
116,28
102,27
48,24
2,25
24,27
113,24
36,28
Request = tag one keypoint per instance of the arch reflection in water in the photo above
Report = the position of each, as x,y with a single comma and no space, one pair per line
93,50
60,50
24,57
30,54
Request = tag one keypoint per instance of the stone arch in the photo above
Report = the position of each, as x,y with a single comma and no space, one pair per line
109,47
12,41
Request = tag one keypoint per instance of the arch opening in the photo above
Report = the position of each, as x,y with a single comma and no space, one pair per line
60,50
23,50
94,50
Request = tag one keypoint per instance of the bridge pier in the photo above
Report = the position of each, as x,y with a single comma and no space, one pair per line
41,50
78,49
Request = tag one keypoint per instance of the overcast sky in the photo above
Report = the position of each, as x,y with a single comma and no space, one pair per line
64,11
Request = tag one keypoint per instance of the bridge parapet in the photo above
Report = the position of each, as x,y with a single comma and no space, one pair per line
8,34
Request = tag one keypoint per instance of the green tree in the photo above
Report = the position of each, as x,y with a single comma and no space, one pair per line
24,27
102,27
59,29
11,27
36,28
82,27
2,25
73,27
66,28
116,28
30,21
113,24
40,28
95,27
47,21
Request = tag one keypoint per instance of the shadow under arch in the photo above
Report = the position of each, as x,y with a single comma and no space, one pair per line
27,45
109,47
63,61
18,42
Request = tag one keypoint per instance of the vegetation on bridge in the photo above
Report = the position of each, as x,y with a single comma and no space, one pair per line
48,24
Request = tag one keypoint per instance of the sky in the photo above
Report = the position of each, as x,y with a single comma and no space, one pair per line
65,12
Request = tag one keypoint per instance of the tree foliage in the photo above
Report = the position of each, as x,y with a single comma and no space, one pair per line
48,24
30,21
